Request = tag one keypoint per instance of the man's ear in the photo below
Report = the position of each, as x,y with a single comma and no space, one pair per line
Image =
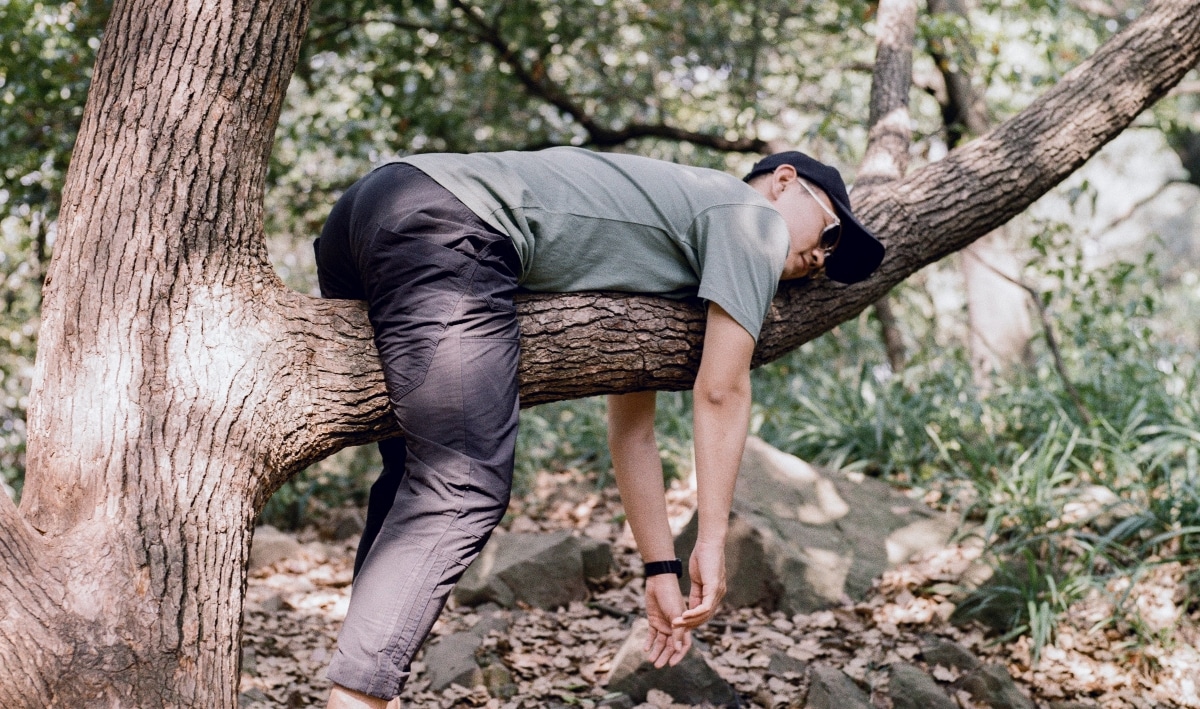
782,177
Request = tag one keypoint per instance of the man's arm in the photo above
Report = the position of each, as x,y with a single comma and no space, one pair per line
638,470
721,418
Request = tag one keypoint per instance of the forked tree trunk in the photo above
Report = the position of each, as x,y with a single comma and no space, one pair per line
179,383
166,386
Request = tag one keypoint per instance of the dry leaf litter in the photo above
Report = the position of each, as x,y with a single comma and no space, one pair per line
295,607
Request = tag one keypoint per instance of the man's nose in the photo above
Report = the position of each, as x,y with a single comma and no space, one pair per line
818,255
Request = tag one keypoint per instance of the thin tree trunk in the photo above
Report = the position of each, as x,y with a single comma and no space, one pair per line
998,324
893,342
890,133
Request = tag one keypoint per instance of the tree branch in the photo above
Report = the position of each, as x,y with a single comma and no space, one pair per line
982,184
1047,331
583,344
535,81
963,111
1128,213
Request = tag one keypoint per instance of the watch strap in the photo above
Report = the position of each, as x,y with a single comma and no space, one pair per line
673,566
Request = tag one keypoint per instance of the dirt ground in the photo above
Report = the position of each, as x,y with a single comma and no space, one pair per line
295,607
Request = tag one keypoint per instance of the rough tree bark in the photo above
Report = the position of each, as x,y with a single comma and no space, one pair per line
179,383
171,380
890,132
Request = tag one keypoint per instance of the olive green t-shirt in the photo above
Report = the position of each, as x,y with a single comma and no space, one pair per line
583,220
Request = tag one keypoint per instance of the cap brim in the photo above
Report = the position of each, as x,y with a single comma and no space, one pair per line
858,253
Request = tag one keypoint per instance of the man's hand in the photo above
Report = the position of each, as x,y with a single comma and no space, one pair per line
706,568
666,642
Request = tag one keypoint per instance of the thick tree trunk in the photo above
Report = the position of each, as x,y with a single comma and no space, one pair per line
165,387
179,383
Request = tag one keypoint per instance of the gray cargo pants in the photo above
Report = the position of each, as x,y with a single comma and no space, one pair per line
439,283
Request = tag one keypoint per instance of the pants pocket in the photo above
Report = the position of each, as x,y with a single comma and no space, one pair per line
414,288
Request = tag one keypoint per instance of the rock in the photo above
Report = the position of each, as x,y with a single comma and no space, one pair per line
783,664
616,700
342,525
751,579
272,604
1072,705
490,618
692,681
270,546
249,661
451,660
802,538
597,557
910,688
499,681
992,685
830,688
252,696
542,570
947,653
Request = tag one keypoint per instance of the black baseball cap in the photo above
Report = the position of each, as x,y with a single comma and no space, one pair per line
858,253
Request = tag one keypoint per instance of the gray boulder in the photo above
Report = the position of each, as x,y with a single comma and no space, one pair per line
597,557
910,688
270,546
803,538
783,664
692,681
616,700
451,660
993,686
830,688
542,570
947,653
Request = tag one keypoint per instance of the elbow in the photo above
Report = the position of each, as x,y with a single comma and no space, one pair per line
720,397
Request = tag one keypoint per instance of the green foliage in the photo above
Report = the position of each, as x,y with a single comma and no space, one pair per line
1067,504
560,436
46,54
341,479
574,435
1020,458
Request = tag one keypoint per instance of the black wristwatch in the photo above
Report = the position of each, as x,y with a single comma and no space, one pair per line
674,566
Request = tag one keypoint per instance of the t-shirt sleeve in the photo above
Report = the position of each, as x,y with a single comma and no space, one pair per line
742,250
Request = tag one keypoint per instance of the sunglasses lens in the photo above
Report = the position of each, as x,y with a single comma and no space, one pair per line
830,237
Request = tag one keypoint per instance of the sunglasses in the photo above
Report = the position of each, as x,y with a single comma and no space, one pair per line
831,235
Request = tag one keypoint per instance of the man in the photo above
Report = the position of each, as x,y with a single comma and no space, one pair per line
437,245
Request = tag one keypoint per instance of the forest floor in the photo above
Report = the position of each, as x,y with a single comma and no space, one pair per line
295,607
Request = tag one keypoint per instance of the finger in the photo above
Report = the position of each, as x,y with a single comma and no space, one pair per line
661,652
680,640
683,649
692,622
659,643
704,608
